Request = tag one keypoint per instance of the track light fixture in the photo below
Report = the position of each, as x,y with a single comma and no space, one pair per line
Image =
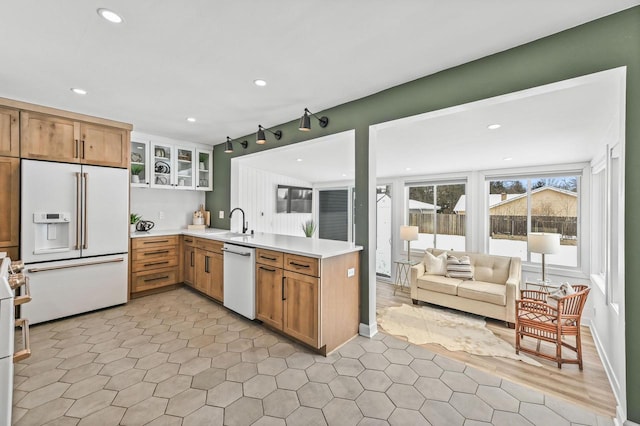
305,121
261,139
228,145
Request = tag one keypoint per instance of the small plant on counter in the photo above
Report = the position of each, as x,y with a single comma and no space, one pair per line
135,218
309,227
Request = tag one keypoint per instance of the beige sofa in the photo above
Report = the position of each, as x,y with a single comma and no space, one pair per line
491,292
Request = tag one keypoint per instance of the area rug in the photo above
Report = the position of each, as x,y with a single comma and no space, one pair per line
456,331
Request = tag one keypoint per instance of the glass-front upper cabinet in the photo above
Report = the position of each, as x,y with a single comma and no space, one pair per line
162,156
185,178
139,167
205,170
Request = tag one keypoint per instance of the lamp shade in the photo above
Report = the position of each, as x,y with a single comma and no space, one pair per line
409,233
260,137
228,146
543,242
305,123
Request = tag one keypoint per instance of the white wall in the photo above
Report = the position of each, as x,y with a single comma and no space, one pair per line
255,193
177,206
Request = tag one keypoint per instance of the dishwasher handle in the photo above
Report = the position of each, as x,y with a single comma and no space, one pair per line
239,253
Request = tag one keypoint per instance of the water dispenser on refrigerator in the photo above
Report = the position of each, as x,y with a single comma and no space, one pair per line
52,232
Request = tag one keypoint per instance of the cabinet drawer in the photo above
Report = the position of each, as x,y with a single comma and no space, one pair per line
150,264
188,241
209,245
270,257
142,281
144,242
302,264
155,253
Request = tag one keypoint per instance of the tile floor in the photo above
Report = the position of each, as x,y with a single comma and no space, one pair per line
179,359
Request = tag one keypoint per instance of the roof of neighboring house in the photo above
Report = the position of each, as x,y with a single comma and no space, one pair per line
420,205
496,199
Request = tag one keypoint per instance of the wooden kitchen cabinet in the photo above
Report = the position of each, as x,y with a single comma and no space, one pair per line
154,263
269,288
315,301
9,204
203,266
9,132
48,137
300,311
188,261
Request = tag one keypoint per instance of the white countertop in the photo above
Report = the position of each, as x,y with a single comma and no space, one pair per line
312,247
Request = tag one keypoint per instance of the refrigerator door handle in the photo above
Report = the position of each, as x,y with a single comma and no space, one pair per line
78,265
78,210
85,230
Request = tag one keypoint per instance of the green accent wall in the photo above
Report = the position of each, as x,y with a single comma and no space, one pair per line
599,45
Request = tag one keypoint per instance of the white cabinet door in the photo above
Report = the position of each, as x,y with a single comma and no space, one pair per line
161,165
140,170
184,163
205,170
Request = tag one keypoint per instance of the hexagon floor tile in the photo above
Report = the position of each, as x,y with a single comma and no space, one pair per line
179,358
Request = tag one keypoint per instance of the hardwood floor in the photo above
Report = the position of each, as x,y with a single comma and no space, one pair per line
589,387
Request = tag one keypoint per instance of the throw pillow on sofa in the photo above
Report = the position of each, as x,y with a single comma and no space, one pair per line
459,268
435,265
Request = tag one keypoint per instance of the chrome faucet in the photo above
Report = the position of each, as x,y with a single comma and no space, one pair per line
245,225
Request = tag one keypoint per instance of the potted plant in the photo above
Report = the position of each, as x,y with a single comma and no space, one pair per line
133,220
309,227
203,160
136,169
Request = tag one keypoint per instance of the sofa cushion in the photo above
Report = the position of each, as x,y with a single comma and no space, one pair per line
439,284
459,267
489,268
483,292
435,265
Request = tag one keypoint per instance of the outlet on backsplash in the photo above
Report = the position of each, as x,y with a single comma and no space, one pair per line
161,215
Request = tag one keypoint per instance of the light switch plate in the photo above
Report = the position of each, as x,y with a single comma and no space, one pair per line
351,272
221,214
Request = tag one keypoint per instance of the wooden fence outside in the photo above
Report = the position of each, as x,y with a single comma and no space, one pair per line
514,226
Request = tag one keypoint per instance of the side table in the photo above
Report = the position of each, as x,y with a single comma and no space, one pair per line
403,275
547,287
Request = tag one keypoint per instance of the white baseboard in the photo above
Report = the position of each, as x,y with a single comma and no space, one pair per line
621,415
629,423
368,330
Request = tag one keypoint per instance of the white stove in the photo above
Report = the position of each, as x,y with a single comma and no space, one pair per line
7,329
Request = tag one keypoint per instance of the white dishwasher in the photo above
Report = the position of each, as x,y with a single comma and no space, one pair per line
240,279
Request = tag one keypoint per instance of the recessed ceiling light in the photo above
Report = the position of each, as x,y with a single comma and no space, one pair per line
191,119
260,82
344,175
408,168
299,160
493,126
508,158
110,16
78,91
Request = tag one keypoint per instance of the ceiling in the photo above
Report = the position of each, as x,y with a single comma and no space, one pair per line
561,123
171,60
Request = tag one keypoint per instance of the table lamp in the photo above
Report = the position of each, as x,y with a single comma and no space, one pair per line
408,234
543,243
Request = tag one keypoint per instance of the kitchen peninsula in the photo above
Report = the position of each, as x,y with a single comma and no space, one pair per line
304,288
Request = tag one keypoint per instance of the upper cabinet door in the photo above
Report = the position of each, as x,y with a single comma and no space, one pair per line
205,171
47,137
184,168
9,132
161,165
104,146
139,163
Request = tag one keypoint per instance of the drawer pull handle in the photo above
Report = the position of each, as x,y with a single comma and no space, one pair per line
156,279
26,297
155,242
267,269
26,352
156,263
268,258
299,265
155,252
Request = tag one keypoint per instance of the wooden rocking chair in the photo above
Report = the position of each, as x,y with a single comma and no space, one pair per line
540,320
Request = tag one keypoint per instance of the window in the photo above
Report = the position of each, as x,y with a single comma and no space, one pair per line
520,205
438,210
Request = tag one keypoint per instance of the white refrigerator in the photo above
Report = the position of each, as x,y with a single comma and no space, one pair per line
74,237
